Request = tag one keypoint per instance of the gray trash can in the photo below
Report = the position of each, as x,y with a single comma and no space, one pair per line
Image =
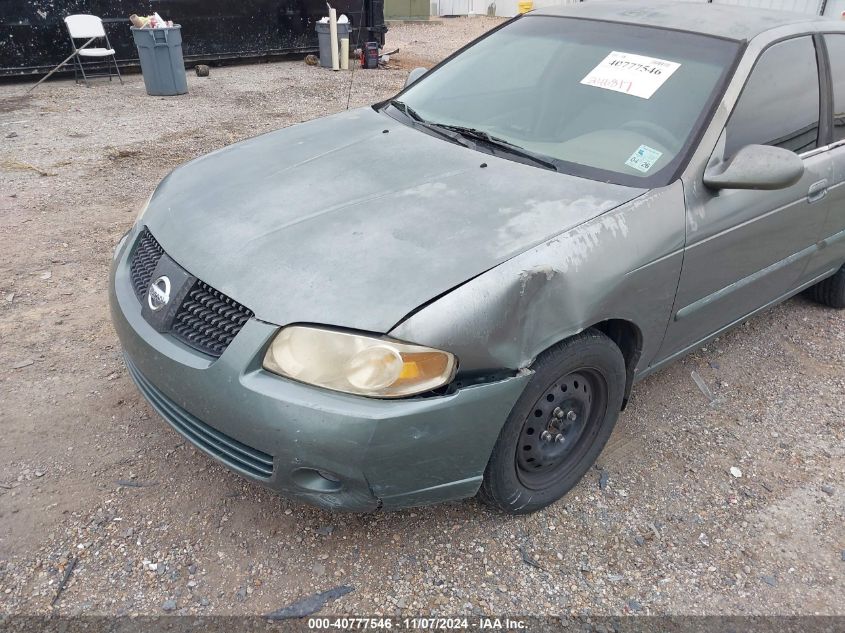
325,38
160,51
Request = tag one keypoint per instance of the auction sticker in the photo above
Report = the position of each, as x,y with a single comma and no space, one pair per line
632,74
644,158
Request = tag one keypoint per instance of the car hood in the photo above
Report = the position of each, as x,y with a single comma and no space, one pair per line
355,220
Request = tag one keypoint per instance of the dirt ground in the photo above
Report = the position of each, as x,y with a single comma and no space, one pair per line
89,472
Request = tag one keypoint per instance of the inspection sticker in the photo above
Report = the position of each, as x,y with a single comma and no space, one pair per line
644,158
632,74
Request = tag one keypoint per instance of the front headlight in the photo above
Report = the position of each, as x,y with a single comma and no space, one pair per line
362,365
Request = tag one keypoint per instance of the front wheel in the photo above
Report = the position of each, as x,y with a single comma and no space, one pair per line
558,426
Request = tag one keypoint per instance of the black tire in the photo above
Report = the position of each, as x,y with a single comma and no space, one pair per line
527,471
830,291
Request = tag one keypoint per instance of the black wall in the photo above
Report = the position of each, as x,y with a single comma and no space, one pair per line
33,37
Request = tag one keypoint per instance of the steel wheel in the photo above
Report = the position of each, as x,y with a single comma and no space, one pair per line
558,429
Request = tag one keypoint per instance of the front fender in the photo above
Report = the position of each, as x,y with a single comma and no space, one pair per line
623,264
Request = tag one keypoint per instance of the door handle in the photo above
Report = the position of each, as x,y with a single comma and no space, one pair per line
817,191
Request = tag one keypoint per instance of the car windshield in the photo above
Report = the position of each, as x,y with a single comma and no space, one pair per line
612,102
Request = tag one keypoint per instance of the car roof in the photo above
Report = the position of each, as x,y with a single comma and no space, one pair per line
733,22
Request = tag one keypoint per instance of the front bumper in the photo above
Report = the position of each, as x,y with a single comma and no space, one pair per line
331,449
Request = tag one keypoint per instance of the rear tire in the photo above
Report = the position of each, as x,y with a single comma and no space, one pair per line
558,426
831,291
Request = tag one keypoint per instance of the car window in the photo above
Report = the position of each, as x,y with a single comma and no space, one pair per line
613,102
836,54
779,104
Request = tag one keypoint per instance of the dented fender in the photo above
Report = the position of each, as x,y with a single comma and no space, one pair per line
623,264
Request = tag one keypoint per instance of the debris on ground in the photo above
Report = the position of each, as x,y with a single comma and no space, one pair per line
736,473
528,559
18,165
604,478
702,386
130,483
117,153
63,582
312,604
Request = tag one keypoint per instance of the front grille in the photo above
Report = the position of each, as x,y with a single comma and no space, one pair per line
207,320
144,260
228,450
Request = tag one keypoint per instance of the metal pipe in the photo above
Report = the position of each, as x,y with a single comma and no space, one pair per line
333,35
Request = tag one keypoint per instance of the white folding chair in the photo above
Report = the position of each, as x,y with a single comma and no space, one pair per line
86,27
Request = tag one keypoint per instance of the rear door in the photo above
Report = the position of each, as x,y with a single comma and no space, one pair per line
748,248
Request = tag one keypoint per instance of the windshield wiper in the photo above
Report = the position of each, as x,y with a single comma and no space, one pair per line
500,144
417,120
407,110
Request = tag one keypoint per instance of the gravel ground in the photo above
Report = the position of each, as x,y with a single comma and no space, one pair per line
89,473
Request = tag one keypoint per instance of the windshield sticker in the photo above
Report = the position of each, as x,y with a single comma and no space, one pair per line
644,158
632,74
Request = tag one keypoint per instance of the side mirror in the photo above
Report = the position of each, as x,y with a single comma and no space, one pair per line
756,167
415,74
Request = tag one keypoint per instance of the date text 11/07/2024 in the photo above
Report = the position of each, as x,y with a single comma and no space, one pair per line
419,624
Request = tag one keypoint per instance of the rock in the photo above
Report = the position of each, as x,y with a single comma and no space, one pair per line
11,135
169,605
240,596
828,490
325,530
736,472
204,602
46,275
769,580
603,479
192,569
202,70
639,540
633,605
312,60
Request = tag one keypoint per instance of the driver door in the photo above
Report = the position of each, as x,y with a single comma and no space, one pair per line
746,248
